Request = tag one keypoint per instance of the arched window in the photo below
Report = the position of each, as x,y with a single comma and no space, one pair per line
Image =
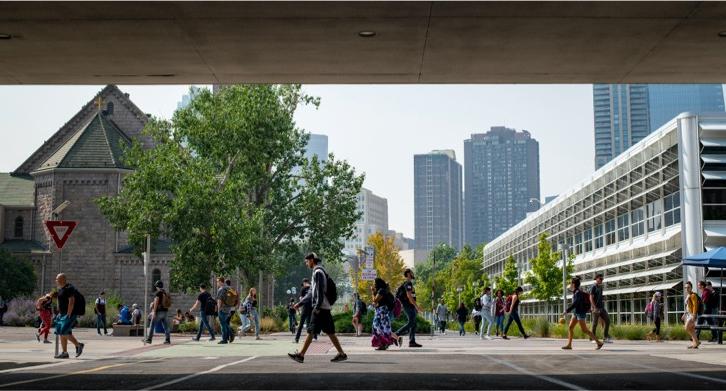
155,276
109,108
19,227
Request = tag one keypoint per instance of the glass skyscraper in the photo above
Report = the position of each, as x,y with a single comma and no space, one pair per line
437,200
626,113
501,177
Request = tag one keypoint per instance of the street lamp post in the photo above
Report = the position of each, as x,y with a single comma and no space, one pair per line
563,247
460,289
433,290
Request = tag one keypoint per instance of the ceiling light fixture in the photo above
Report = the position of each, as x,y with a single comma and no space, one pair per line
366,34
6,36
722,34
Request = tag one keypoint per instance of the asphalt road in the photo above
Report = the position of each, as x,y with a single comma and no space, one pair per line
387,370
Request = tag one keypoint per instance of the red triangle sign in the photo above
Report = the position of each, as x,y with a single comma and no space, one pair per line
53,225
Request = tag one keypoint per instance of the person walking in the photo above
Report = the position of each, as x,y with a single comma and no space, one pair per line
487,308
406,293
441,316
656,309
383,301
498,310
712,308
305,304
581,305
250,304
691,314
159,313
44,305
321,320
514,314
3,310
231,293
223,310
359,310
462,314
476,315
100,310
207,307
707,307
291,315
599,313
69,307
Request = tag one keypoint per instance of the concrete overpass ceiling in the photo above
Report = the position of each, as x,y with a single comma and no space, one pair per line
319,42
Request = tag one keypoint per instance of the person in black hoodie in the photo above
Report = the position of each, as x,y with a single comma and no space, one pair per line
306,303
581,306
461,315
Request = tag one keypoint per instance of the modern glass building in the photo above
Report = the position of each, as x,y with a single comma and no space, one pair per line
438,208
635,218
625,113
317,146
501,177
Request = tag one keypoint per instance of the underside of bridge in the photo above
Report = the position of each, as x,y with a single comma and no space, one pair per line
361,42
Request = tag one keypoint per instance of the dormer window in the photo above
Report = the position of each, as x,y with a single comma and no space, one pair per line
109,108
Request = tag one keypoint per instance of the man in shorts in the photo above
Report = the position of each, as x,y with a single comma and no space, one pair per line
66,316
321,319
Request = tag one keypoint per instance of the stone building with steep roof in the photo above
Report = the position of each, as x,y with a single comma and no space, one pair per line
80,162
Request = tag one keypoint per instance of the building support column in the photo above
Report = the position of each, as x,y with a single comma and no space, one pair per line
689,167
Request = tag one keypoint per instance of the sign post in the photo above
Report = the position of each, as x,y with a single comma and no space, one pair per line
59,238
369,272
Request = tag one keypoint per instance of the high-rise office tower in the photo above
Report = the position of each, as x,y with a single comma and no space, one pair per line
501,169
437,200
317,146
626,113
373,211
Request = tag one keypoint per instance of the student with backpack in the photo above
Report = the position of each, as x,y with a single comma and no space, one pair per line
100,309
44,306
359,311
226,299
706,306
486,311
71,305
581,305
159,313
406,293
207,306
249,305
498,310
599,312
654,311
324,294
305,304
692,304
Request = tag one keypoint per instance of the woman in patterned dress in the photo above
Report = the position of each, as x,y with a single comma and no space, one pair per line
383,300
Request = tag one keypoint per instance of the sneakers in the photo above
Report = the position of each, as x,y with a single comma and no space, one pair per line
212,339
339,357
487,337
37,337
297,357
599,345
148,341
222,342
167,342
567,347
257,338
62,355
504,337
46,341
413,345
79,349
231,337
608,340
526,336
195,339
400,342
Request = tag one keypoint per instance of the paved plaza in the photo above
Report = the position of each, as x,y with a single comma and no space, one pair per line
445,362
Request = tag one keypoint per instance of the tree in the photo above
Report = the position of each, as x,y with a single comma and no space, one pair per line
428,277
464,271
507,282
17,277
228,183
388,264
545,277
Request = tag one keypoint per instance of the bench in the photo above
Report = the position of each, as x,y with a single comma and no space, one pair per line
715,328
127,330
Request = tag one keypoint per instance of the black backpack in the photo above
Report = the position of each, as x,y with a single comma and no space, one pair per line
363,307
401,293
79,307
210,307
585,305
700,304
331,290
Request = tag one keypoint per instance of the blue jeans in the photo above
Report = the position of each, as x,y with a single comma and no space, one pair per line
160,318
486,316
291,320
246,324
499,321
224,323
462,331
410,326
101,322
204,322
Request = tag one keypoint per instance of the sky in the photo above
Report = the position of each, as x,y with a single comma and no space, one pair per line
377,128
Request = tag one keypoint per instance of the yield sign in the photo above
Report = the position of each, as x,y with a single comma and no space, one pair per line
53,226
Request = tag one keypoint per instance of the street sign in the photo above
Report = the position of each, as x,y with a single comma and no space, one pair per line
368,274
55,228
370,256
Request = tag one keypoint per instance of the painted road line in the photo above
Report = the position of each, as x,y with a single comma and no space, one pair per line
97,369
193,375
527,372
41,366
681,373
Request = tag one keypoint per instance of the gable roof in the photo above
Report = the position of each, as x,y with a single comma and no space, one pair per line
63,134
97,144
17,190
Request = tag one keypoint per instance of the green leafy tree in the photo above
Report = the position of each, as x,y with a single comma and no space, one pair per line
428,275
508,281
17,277
465,272
545,277
229,184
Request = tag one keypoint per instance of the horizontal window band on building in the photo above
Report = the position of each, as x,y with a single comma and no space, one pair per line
633,220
